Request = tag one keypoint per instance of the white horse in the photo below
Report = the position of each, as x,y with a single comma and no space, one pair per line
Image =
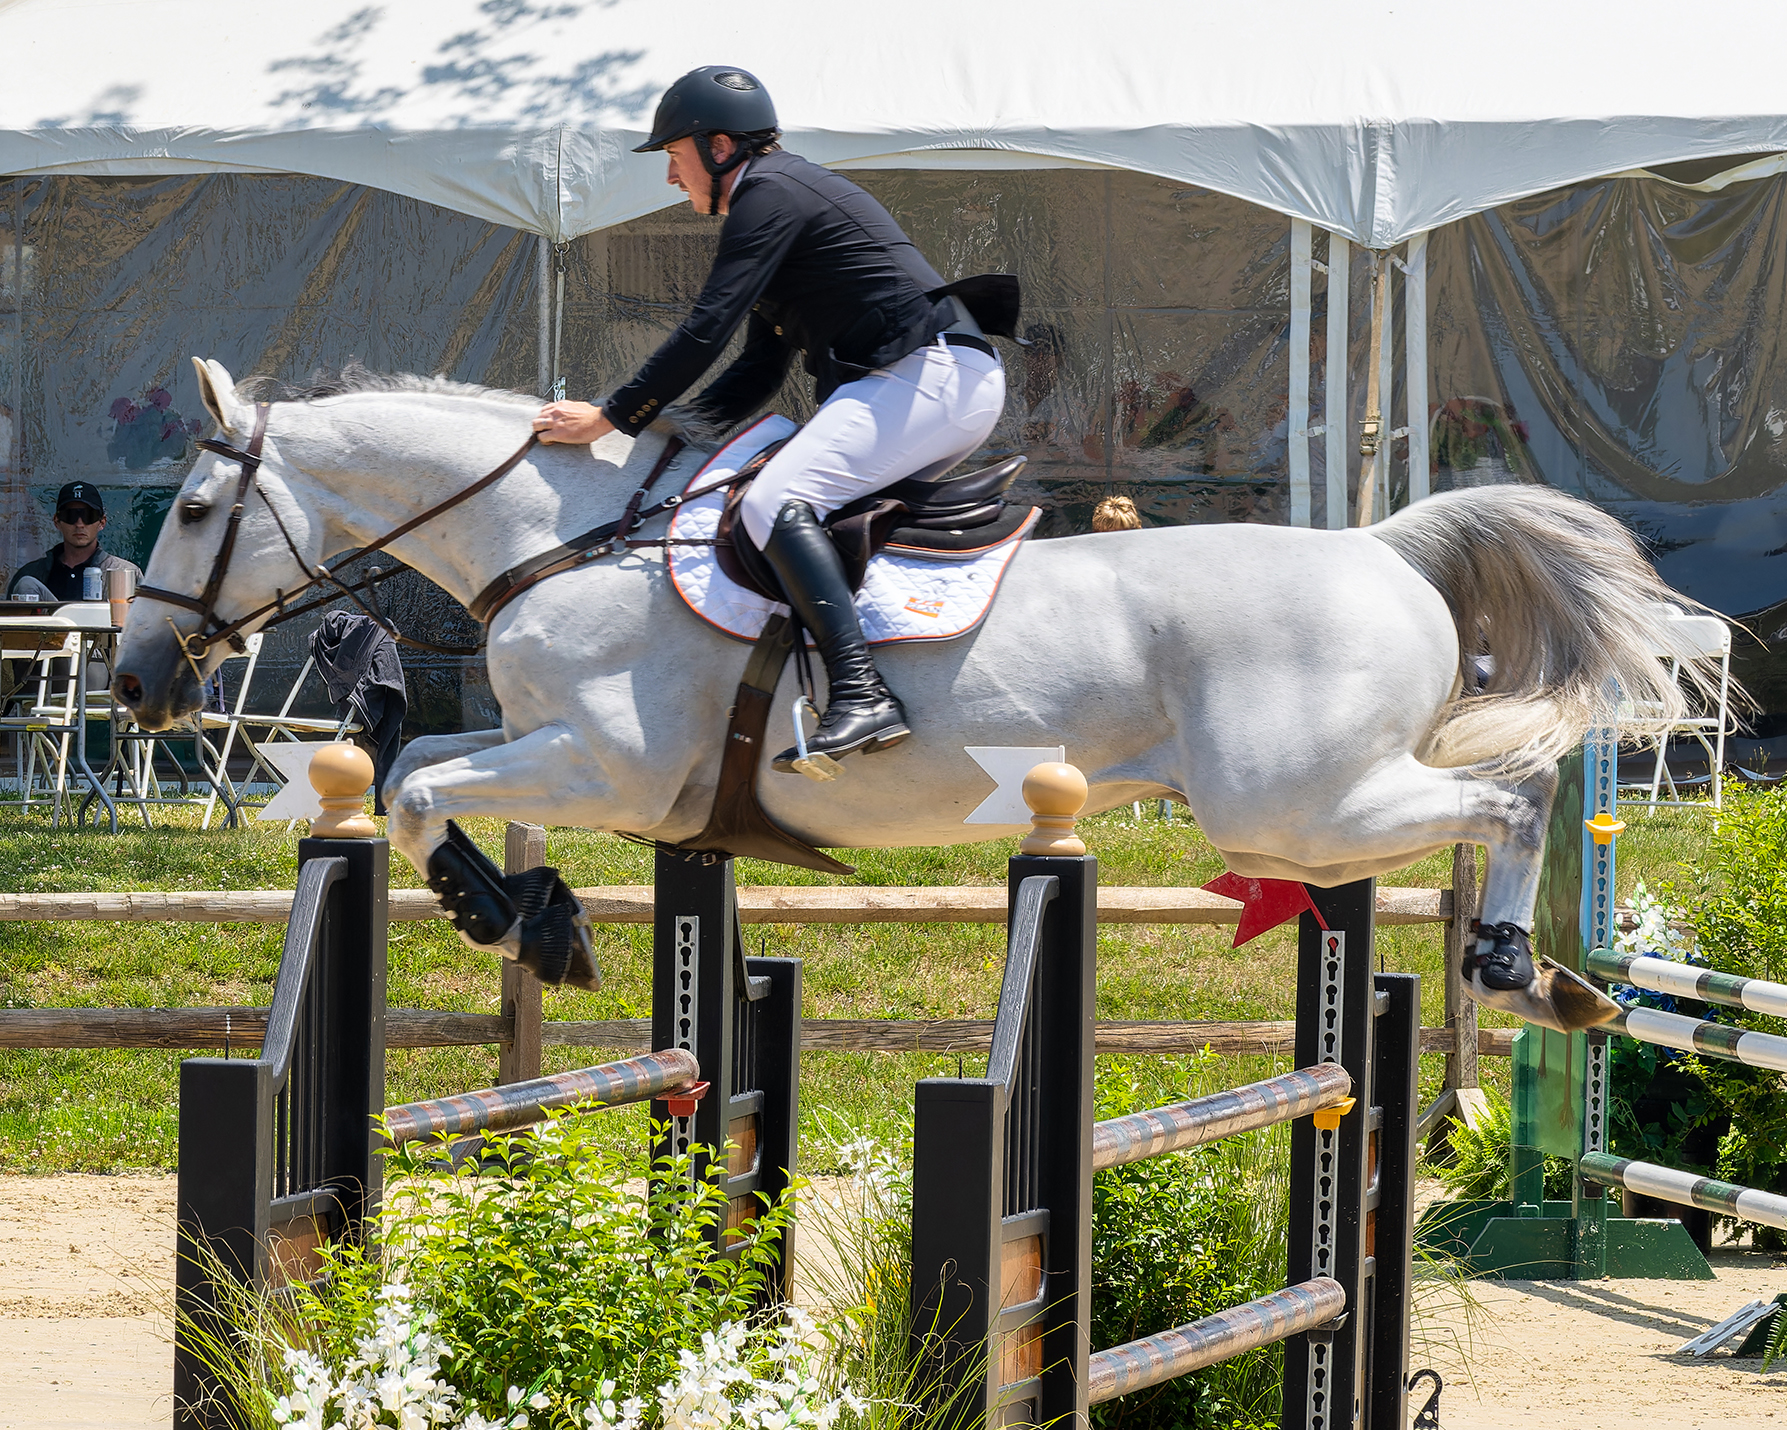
1299,690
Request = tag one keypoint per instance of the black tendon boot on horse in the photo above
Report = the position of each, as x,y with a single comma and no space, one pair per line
531,917
861,713
1500,972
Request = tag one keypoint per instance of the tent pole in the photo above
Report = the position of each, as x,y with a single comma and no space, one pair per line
1386,381
1414,323
1335,419
1371,434
544,277
1298,415
558,328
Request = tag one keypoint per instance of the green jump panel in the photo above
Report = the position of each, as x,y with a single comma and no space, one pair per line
1490,1240
1658,1248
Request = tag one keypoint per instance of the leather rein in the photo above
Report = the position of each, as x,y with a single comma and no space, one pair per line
591,545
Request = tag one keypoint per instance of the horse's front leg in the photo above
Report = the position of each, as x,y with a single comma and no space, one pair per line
531,917
428,750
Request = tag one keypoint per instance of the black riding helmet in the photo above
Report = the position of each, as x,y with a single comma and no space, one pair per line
715,99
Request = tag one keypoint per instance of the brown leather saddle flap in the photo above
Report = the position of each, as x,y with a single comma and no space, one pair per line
737,824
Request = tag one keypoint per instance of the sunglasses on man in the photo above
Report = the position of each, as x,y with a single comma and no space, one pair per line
78,516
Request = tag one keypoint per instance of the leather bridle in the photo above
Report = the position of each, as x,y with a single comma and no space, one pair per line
198,644
603,540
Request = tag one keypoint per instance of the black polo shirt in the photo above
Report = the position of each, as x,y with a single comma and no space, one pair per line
64,582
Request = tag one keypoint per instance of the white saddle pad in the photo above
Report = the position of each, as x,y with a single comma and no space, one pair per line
906,595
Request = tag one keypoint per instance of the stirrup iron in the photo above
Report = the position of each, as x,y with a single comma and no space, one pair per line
820,767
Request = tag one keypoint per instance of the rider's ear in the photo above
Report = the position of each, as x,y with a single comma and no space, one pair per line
217,389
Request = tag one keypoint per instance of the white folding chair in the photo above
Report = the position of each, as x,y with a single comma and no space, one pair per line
1686,637
40,752
240,721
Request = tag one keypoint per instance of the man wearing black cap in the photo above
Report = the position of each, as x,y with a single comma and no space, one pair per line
80,517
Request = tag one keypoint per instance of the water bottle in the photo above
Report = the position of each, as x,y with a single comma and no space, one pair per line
92,584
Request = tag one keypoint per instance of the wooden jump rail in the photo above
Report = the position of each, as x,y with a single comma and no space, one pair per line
517,1104
243,1028
1264,1321
763,904
1155,1360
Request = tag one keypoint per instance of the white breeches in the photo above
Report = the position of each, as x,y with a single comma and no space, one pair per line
916,417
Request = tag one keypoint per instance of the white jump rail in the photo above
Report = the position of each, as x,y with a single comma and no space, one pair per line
1684,980
1686,1189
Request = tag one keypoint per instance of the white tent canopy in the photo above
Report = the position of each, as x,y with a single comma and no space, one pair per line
1373,121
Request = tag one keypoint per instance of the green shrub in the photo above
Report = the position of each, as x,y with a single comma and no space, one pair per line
1478,1168
543,1285
1180,1237
1736,897
1736,893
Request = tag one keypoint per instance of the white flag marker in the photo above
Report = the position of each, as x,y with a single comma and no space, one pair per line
297,800
1008,764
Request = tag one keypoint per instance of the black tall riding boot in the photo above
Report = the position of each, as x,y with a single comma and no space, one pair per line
861,713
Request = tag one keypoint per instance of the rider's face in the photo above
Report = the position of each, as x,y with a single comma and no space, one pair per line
688,174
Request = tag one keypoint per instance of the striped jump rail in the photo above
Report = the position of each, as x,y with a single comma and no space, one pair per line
496,1109
1686,1189
1716,1040
1155,1359
1201,1120
1703,985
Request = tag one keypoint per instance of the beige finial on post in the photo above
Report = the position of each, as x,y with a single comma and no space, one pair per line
1055,793
341,773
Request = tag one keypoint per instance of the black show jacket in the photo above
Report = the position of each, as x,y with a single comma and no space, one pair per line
818,267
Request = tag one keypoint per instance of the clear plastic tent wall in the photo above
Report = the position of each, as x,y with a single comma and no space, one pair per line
1618,339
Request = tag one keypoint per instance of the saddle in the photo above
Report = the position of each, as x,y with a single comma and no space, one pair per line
963,513
941,514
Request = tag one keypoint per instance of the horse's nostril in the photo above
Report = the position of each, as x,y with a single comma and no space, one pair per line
129,689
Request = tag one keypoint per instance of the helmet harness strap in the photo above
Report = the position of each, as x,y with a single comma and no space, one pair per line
718,169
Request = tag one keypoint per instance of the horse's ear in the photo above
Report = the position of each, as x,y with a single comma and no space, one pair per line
217,389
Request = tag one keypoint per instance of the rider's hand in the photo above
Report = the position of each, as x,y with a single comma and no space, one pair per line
573,423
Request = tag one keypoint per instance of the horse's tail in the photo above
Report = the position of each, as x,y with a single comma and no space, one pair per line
1561,599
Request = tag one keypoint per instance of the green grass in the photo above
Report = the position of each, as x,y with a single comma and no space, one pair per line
102,1111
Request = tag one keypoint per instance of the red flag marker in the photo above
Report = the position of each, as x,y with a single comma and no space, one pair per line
1265,903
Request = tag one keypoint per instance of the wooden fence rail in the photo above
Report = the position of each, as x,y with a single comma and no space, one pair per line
242,1028
632,904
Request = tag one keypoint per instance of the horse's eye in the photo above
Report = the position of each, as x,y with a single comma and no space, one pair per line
194,509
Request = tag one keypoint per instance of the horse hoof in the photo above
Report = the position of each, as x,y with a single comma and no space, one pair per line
1556,998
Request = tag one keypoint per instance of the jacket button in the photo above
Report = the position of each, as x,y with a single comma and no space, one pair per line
778,331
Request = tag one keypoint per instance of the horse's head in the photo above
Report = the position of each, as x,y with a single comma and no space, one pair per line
198,563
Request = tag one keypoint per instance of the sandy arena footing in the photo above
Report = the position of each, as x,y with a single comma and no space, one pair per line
86,1264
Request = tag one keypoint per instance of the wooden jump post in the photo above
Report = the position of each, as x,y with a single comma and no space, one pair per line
1003,1167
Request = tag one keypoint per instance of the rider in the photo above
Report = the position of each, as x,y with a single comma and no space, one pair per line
907,381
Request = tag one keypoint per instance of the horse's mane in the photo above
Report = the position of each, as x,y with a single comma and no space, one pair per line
355,376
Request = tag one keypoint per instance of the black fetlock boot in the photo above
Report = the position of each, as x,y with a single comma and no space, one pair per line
861,713
532,918
1506,964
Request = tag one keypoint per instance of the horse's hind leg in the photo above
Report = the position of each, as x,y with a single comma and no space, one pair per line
1406,809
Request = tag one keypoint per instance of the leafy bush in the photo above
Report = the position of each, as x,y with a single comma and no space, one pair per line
544,1286
1180,1237
1478,1169
1736,900
1736,893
